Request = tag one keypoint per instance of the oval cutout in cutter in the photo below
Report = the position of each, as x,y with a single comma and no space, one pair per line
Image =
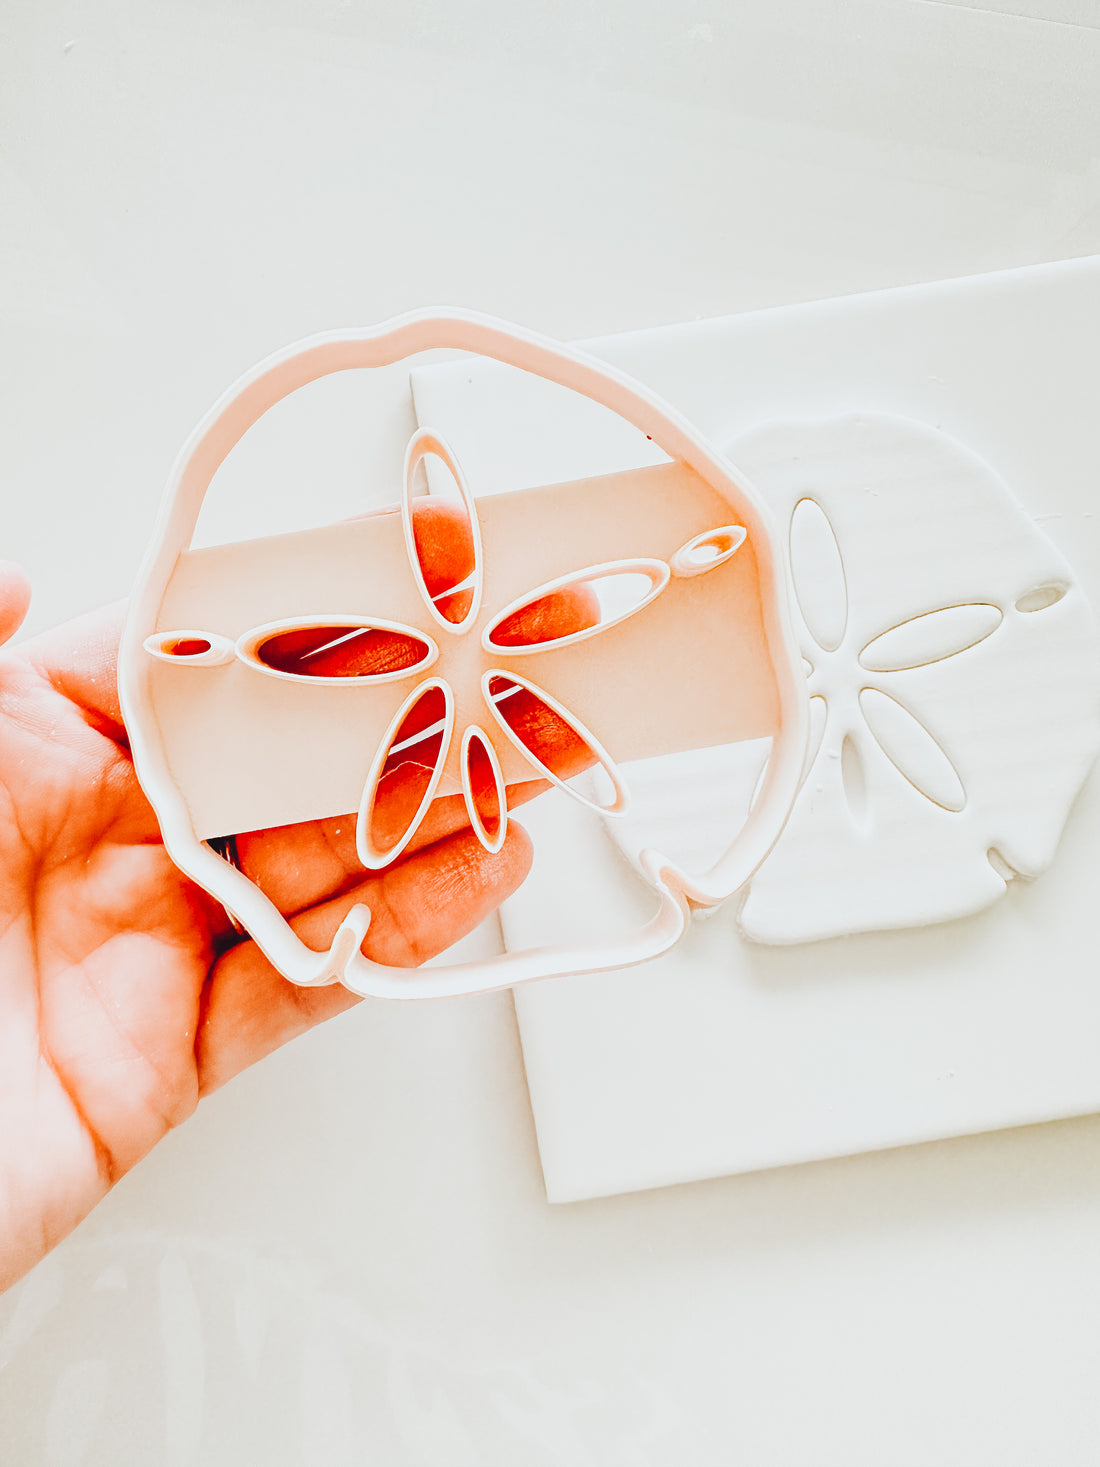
707,550
443,538
576,606
553,741
190,648
483,789
404,774
327,649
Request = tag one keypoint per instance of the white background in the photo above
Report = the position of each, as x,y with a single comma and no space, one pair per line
347,1256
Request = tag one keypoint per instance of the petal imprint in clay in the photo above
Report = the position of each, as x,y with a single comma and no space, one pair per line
931,637
818,573
912,750
953,668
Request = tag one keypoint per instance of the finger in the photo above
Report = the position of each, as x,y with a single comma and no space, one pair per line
549,737
418,908
297,866
573,608
80,659
445,549
15,598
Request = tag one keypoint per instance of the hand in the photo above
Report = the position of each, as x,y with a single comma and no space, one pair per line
121,1004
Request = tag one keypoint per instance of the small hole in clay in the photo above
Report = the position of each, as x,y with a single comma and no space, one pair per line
187,647
854,778
1040,598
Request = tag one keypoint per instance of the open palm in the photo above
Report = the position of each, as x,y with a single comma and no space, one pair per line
123,997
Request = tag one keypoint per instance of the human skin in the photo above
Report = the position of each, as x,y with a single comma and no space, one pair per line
124,996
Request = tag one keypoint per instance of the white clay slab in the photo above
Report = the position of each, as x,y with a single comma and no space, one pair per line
954,678
729,1055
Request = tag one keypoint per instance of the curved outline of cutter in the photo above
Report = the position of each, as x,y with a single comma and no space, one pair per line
191,730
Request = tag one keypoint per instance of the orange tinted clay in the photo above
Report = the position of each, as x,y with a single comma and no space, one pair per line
188,647
483,787
418,747
341,651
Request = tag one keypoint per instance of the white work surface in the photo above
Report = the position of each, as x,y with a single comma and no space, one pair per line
347,1256
728,1055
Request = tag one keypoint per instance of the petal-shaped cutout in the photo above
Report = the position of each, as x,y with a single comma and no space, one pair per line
442,537
708,550
190,648
555,742
1041,597
931,637
483,789
349,648
912,750
818,574
853,779
405,773
576,606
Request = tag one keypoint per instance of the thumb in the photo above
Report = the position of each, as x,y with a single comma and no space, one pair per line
15,598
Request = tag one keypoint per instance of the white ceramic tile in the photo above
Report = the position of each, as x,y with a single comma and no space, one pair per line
726,1055
1064,12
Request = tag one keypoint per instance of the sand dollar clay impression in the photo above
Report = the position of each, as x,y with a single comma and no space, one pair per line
952,665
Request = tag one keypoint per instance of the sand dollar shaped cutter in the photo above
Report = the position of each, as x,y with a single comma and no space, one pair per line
451,646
